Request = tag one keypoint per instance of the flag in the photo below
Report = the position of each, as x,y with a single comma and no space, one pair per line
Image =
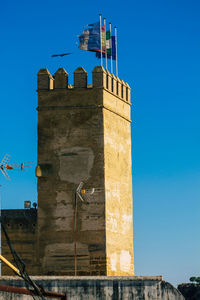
108,42
103,39
112,40
89,40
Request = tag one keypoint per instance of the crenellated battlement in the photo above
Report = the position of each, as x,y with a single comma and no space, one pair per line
101,79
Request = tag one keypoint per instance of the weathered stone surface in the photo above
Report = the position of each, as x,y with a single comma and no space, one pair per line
80,78
118,186
84,134
20,225
61,79
101,288
45,80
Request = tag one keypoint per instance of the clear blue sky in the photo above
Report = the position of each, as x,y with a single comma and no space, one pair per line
159,47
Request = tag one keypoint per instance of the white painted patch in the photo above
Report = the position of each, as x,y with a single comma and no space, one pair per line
112,139
125,261
122,148
128,141
111,222
113,261
113,193
126,223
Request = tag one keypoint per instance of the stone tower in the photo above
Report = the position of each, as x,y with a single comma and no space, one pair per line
84,136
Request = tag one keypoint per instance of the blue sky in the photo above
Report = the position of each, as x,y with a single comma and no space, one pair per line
158,50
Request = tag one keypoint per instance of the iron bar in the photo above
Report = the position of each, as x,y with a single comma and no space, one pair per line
23,291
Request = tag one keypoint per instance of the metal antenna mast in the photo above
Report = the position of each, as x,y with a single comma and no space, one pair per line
4,166
82,195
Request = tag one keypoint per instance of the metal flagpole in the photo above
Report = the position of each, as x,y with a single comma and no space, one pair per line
116,50
100,37
111,50
105,44
0,230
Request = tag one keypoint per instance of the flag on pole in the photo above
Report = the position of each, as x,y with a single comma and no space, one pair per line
116,61
95,38
110,54
111,51
91,38
108,43
103,38
100,39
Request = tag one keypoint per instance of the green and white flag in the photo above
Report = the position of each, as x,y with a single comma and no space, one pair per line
108,43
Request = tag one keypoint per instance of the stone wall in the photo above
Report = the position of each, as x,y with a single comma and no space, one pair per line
118,186
20,225
84,136
101,288
70,142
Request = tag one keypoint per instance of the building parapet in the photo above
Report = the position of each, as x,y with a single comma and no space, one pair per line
61,79
19,218
101,79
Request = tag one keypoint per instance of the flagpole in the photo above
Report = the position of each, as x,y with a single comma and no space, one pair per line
105,44
100,37
111,50
116,50
0,231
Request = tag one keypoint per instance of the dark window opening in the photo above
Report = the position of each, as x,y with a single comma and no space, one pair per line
107,85
126,94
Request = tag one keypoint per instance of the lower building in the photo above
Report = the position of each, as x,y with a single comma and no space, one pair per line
20,225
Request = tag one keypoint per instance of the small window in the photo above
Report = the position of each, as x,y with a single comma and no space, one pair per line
126,94
107,85
117,88
122,91
112,88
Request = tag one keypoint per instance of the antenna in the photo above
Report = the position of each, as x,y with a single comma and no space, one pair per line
81,194
84,193
4,166
3,163
78,191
